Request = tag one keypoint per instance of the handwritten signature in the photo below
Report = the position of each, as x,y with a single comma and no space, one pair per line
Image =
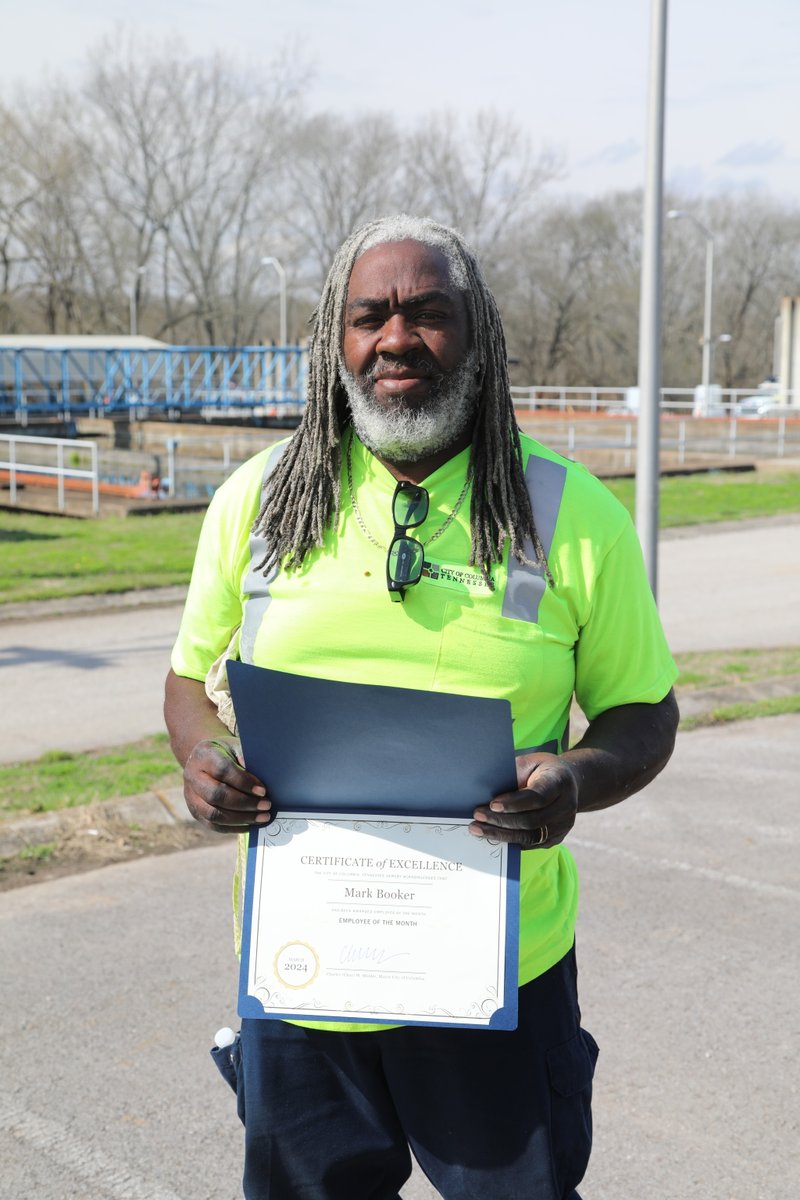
368,954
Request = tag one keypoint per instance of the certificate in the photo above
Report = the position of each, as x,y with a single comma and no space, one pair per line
383,919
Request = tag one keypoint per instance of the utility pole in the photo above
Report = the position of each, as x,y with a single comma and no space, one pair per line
647,456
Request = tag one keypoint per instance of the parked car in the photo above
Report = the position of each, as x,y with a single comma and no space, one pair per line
766,406
762,403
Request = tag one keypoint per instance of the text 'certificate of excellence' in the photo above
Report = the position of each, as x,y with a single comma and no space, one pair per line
381,920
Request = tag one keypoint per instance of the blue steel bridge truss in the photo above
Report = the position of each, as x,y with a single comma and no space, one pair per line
206,382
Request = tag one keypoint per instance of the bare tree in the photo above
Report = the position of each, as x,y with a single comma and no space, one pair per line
481,176
165,180
341,173
45,211
15,194
756,262
572,308
184,150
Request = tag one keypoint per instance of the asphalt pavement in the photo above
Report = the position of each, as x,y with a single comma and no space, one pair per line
113,982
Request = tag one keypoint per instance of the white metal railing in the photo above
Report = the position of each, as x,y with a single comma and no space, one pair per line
624,400
685,437
574,433
591,399
228,456
60,470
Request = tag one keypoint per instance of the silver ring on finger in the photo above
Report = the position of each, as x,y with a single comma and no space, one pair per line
543,835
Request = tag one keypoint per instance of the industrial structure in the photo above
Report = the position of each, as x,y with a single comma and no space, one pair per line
66,377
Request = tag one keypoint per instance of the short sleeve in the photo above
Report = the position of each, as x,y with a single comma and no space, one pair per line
214,602
622,656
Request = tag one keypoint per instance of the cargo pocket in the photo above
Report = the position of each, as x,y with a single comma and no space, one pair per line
228,1061
571,1069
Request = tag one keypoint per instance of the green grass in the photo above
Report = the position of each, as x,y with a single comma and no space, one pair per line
773,707
704,669
44,557
42,852
63,780
717,496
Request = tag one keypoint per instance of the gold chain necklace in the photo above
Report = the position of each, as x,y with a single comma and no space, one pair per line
362,523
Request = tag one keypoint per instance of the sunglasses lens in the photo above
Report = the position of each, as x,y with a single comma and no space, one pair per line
406,557
410,506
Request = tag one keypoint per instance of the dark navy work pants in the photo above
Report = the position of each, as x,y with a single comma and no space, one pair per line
489,1115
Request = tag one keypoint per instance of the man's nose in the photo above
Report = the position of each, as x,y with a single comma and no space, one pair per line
397,337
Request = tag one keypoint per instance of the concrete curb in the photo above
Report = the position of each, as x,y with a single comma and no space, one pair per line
80,606
161,807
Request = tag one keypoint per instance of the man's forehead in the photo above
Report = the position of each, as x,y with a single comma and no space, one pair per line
407,264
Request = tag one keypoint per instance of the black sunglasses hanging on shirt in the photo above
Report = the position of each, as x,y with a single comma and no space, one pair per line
406,556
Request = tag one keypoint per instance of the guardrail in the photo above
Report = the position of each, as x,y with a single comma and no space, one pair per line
19,473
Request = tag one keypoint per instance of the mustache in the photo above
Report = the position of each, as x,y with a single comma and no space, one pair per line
387,365
390,364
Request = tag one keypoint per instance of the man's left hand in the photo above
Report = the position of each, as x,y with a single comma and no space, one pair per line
541,813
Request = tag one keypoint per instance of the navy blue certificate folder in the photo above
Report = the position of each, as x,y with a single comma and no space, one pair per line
365,748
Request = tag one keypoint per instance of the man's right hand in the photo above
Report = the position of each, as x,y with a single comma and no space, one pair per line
219,792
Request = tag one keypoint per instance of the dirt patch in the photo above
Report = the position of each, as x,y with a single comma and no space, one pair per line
92,837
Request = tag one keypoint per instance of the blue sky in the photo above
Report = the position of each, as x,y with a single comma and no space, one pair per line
573,73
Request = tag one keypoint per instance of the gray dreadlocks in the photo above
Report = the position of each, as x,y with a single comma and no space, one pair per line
302,495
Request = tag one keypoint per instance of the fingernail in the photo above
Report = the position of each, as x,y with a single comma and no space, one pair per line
476,832
259,791
262,818
264,805
496,806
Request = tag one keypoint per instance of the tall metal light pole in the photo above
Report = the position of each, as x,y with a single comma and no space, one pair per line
134,296
273,262
676,214
647,455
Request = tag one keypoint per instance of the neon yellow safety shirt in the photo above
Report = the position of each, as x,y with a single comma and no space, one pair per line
596,634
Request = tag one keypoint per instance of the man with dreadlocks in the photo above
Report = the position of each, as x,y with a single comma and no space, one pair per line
524,581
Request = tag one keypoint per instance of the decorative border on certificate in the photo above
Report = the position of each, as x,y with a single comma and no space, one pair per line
380,920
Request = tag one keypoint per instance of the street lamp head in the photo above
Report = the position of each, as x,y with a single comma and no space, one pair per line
725,337
675,213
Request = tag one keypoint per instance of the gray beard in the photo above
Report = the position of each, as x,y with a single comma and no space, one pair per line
403,434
